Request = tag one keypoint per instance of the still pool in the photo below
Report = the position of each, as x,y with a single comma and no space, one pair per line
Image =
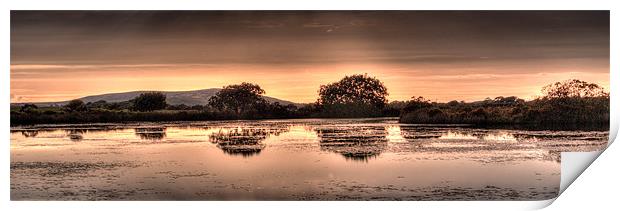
304,159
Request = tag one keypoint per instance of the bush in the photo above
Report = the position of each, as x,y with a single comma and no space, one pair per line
29,108
75,105
149,101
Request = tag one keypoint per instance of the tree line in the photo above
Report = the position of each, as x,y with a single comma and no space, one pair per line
566,102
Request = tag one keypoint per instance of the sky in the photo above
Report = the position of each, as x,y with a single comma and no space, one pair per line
441,55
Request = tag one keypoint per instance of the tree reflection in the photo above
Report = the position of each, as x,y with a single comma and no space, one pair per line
75,134
243,150
242,141
30,133
151,133
354,143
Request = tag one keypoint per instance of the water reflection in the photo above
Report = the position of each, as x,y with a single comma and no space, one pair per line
357,143
351,139
501,136
457,136
295,134
290,160
151,133
75,134
242,141
416,132
355,151
30,133
394,134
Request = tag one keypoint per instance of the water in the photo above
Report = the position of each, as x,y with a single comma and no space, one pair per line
309,159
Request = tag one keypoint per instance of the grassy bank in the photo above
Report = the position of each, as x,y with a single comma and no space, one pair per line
20,118
557,112
91,113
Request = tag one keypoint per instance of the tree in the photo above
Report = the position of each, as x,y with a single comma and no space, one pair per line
29,108
505,101
453,103
573,88
239,98
100,104
119,105
417,103
571,102
75,105
149,101
354,90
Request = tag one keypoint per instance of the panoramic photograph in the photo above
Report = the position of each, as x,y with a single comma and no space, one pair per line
303,105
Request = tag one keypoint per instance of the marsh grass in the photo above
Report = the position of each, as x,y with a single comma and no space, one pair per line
573,112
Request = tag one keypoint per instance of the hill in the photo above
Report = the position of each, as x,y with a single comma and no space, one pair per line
190,98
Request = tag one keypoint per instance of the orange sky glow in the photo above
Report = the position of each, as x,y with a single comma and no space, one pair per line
299,84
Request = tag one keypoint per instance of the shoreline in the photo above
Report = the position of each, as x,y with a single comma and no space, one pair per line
589,126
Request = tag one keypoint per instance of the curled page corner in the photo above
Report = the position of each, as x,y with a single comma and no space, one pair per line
540,204
573,164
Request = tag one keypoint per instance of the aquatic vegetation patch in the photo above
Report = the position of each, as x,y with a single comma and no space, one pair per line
356,151
242,141
357,142
151,133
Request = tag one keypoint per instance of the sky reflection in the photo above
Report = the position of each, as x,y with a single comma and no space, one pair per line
366,140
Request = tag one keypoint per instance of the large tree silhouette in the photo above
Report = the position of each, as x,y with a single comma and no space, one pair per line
573,88
353,95
355,89
239,98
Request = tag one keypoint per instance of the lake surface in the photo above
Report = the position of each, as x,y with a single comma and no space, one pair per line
305,159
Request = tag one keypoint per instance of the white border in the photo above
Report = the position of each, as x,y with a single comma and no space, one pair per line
597,174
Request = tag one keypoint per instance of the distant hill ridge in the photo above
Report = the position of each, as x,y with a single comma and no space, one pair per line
190,98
